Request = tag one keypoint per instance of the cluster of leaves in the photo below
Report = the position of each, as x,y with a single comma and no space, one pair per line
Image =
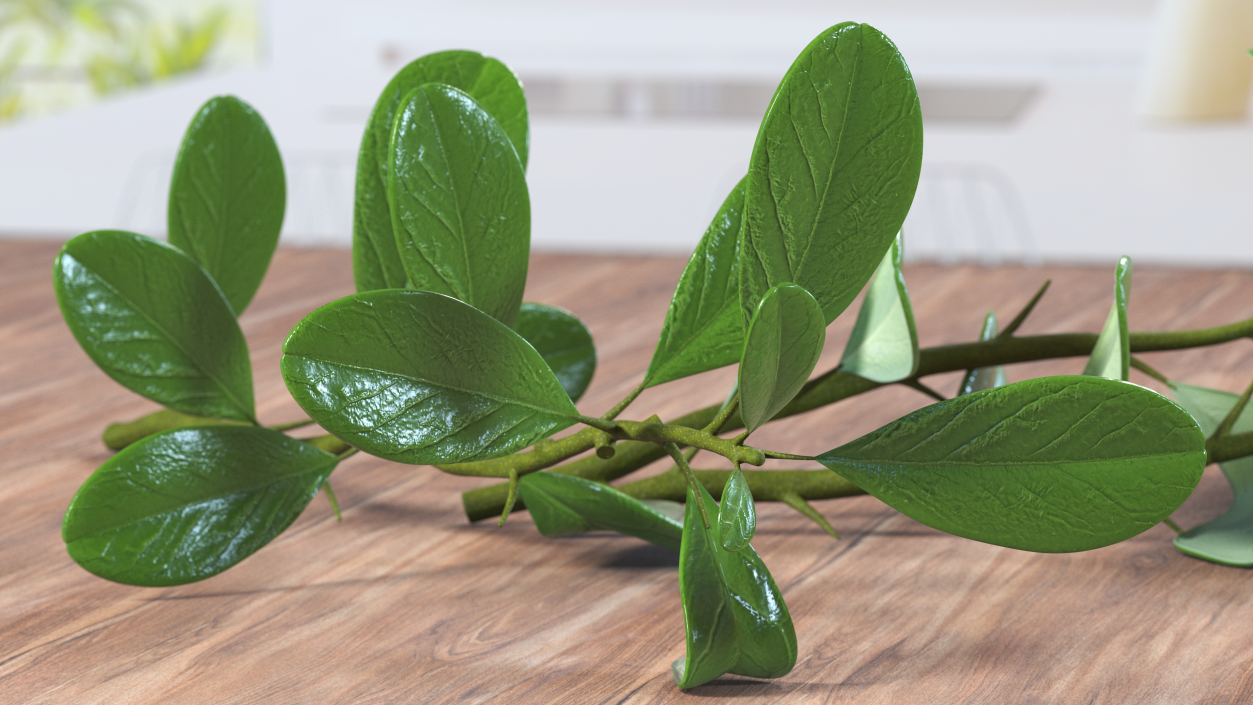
436,360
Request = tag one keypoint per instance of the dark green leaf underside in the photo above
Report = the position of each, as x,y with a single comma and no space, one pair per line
564,343
564,504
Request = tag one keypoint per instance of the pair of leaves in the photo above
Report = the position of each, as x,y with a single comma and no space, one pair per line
1227,539
981,378
422,378
734,615
1055,464
832,175
185,505
377,263
883,346
155,322
227,197
460,210
833,171
1111,356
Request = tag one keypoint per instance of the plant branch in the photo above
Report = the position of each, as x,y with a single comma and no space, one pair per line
766,485
1146,369
1222,449
836,385
119,435
653,430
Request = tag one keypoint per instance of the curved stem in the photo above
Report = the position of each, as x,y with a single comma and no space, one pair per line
689,477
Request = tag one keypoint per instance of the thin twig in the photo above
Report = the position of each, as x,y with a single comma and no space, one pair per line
1026,311
1225,427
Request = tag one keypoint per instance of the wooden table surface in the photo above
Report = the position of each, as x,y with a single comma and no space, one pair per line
404,601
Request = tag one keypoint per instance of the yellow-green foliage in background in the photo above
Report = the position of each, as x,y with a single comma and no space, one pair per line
57,54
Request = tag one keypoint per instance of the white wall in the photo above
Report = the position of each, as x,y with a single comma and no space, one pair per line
1085,179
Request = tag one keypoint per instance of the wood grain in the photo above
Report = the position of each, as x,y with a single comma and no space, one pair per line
404,602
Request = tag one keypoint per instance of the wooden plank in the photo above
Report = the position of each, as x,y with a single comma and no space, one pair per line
405,602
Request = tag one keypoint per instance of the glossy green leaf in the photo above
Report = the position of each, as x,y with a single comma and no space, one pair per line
184,505
1054,464
1111,356
735,617
883,346
155,322
460,208
833,171
422,378
982,378
737,517
565,504
375,261
227,197
785,338
1227,539
704,329
564,343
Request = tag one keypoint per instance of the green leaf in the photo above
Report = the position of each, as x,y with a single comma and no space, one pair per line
883,346
704,329
459,202
1054,464
155,322
982,378
564,343
737,518
1227,539
784,341
184,505
375,261
735,617
833,171
227,197
1111,356
565,504
422,378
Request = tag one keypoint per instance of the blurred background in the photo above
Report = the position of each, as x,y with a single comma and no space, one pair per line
1056,130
